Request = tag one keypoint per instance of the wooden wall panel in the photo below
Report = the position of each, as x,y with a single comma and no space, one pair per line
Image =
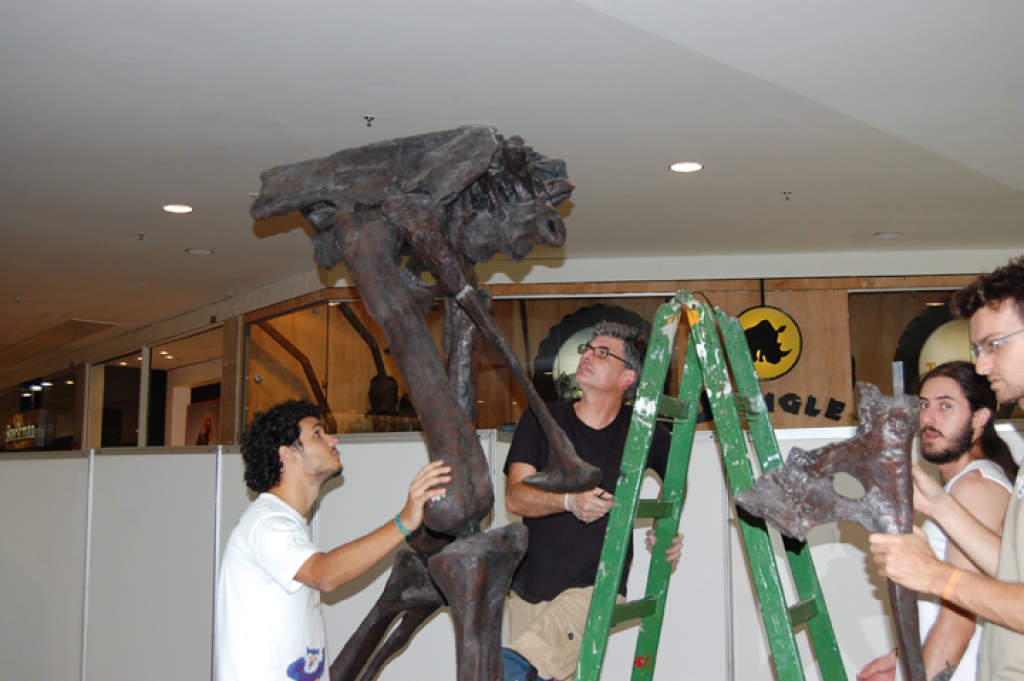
835,324
280,375
877,321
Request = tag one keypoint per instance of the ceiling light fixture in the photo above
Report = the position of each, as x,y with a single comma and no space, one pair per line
178,208
198,251
45,384
888,235
686,167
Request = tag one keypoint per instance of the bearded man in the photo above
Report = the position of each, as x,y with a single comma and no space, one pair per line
958,435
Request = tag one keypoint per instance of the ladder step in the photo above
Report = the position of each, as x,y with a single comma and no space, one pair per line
749,406
802,612
631,610
673,408
653,508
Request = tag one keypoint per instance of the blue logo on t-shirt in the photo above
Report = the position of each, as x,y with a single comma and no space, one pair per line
308,668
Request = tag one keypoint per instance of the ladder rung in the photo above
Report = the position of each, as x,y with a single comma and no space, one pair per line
632,610
653,508
673,408
749,405
802,611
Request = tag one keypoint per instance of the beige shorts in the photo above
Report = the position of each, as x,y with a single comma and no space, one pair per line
550,633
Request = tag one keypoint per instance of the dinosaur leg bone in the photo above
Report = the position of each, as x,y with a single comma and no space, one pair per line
475,574
368,252
421,225
409,588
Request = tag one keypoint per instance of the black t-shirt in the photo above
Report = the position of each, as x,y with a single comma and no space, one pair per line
564,553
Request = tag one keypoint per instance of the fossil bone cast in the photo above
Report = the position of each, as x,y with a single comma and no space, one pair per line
439,203
800,494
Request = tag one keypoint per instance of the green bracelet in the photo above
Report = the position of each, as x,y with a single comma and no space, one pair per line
401,527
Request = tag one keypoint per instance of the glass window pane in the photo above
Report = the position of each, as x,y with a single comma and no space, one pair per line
185,382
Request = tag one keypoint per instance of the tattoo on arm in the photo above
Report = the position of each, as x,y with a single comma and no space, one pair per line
946,674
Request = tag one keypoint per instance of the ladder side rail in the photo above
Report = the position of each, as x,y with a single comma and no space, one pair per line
766,446
673,491
740,475
627,492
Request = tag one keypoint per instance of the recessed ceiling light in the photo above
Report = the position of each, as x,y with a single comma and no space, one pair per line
163,352
179,208
26,394
686,167
45,384
69,382
37,388
170,356
888,235
198,251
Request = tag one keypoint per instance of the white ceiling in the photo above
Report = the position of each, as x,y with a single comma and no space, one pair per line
876,116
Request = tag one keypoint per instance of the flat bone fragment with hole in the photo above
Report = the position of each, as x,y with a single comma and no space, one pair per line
800,494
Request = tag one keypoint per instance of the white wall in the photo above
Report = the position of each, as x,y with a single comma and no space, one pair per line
147,527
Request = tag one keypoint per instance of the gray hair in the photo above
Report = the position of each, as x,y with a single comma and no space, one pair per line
634,348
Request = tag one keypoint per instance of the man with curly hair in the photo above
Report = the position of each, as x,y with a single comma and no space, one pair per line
994,306
269,619
552,589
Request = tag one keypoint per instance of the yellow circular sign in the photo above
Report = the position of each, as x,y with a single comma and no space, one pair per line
774,339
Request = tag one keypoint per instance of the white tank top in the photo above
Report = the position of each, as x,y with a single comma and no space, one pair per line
928,605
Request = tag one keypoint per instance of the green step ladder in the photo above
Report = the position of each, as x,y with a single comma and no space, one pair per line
731,394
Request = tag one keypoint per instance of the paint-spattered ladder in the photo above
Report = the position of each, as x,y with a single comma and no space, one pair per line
717,356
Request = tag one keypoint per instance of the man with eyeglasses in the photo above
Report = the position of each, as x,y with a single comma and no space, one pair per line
552,589
994,306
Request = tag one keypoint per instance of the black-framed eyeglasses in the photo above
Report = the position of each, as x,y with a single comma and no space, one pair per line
601,352
990,347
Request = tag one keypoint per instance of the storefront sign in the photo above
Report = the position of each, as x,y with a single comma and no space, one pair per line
774,339
31,430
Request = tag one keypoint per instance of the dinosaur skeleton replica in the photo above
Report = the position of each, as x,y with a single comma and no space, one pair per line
438,203
800,495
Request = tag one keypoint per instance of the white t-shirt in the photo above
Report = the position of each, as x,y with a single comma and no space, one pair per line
269,626
928,605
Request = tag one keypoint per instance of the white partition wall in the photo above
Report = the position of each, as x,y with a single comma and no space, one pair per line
159,519
151,566
43,511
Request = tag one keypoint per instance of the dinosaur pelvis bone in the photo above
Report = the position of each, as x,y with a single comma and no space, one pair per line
801,494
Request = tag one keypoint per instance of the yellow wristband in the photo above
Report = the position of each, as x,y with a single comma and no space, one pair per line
950,584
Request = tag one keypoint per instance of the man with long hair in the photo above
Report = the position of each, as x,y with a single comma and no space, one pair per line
958,435
269,620
994,306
